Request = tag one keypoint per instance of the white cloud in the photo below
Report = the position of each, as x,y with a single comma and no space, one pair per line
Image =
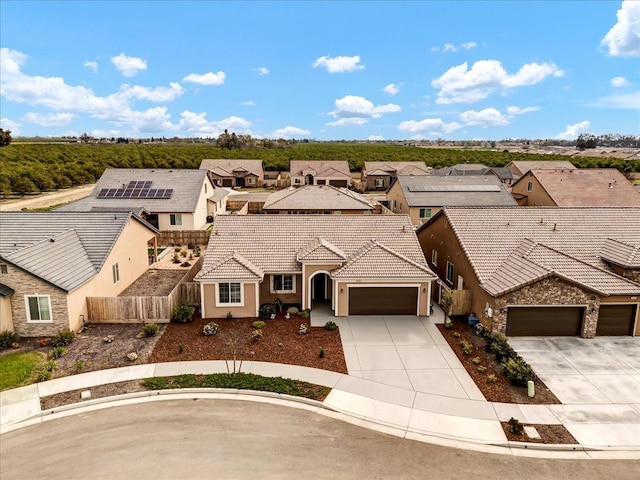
572,131
375,138
345,122
339,64
460,84
623,40
157,94
392,89
209,78
10,63
7,124
287,132
261,71
484,118
93,66
97,133
619,82
469,45
521,111
248,103
431,126
50,119
128,66
450,47
197,125
351,106
627,101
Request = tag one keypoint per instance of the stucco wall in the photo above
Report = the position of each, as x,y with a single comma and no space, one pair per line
248,310
199,217
537,196
164,222
308,272
267,297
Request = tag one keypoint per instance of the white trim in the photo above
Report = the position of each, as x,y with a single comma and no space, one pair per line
446,273
635,320
115,273
28,310
387,285
202,302
229,304
309,291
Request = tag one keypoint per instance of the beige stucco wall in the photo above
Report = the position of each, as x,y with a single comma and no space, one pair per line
267,297
248,310
537,196
6,320
164,222
423,296
308,272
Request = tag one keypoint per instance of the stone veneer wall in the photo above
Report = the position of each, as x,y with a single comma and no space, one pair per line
550,292
25,284
633,275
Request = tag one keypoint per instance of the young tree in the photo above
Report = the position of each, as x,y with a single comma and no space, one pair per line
5,137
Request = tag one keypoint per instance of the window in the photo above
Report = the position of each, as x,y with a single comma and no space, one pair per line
450,272
251,180
175,219
394,204
529,186
425,213
229,293
282,284
296,181
38,308
3,268
115,269
434,256
379,182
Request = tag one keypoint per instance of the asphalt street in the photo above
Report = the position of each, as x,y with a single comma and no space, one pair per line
222,439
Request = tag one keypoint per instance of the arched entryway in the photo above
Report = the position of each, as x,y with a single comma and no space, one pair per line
320,291
308,179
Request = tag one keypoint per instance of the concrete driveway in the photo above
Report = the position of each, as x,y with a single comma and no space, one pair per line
601,370
405,351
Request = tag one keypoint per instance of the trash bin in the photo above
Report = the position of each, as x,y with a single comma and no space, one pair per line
472,319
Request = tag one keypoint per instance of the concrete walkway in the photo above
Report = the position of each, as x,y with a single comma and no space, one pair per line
454,418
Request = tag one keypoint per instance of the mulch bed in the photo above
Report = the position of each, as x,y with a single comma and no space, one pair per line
549,434
99,391
154,283
280,343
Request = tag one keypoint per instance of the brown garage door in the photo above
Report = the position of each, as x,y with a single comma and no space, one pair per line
383,301
556,321
616,320
339,183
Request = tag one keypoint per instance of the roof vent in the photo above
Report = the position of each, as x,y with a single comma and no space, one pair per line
610,185
52,240
554,226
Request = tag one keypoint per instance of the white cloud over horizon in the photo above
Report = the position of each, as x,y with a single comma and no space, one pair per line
392,89
93,66
461,84
573,131
7,124
450,47
248,103
208,78
196,124
484,118
49,119
375,138
261,71
433,127
288,132
128,66
356,110
339,64
623,39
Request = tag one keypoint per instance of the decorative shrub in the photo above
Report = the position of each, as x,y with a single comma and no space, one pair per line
43,376
258,324
476,360
177,248
256,335
181,348
50,366
57,352
517,371
79,365
183,253
132,357
150,329
210,328
482,368
457,334
305,314
331,326
292,310
321,354
229,315
514,426
492,378
175,258
448,324
303,329
446,300
7,338
182,313
108,339
63,338
185,264
467,348
500,347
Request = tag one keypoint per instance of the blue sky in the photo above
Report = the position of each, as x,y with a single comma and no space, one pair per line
323,70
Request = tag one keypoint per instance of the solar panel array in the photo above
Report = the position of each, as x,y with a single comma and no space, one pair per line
136,189
454,188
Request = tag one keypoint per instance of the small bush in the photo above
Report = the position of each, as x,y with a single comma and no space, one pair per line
181,348
476,360
185,264
517,371
292,310
467,348
108,339
43,375
499,346
177,249
182,313
256,335
321,354
155,383
482,368
258,324
132,357
150,329
79,365
448,324
183,253
457,334
305,315
331,326
175,258
303,329
492,378
7,338
58,352
229,315
63,338
50,366
210,328
514,426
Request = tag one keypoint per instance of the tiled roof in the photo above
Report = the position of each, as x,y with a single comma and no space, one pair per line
463,169
328,168
233,267
186,185
64,248
225,167
274,242
375,260
316,197
396,168
471,190
5,291
587,187
620,253
523,166
571,241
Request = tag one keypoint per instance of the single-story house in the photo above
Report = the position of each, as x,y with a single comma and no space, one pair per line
380,175
422,197
466,169
539,270
324,199
51,262
319,172
168,199
357,264
520,167
232,172
583,187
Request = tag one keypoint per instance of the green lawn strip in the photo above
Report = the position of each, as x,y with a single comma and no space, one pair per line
17,369
241,381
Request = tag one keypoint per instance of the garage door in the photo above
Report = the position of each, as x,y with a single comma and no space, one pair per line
339,183
556,321
616,319
383,301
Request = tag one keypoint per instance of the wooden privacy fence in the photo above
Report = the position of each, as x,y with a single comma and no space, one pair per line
190,293
461,304
183,237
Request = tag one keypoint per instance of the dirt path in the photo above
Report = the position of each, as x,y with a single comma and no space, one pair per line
46,199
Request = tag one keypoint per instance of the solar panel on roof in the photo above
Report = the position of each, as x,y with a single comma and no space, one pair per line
454,188
102,193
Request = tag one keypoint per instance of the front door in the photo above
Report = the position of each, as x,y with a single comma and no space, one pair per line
308,180
319,287
239,181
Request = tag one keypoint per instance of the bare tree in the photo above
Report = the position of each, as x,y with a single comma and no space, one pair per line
234,343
